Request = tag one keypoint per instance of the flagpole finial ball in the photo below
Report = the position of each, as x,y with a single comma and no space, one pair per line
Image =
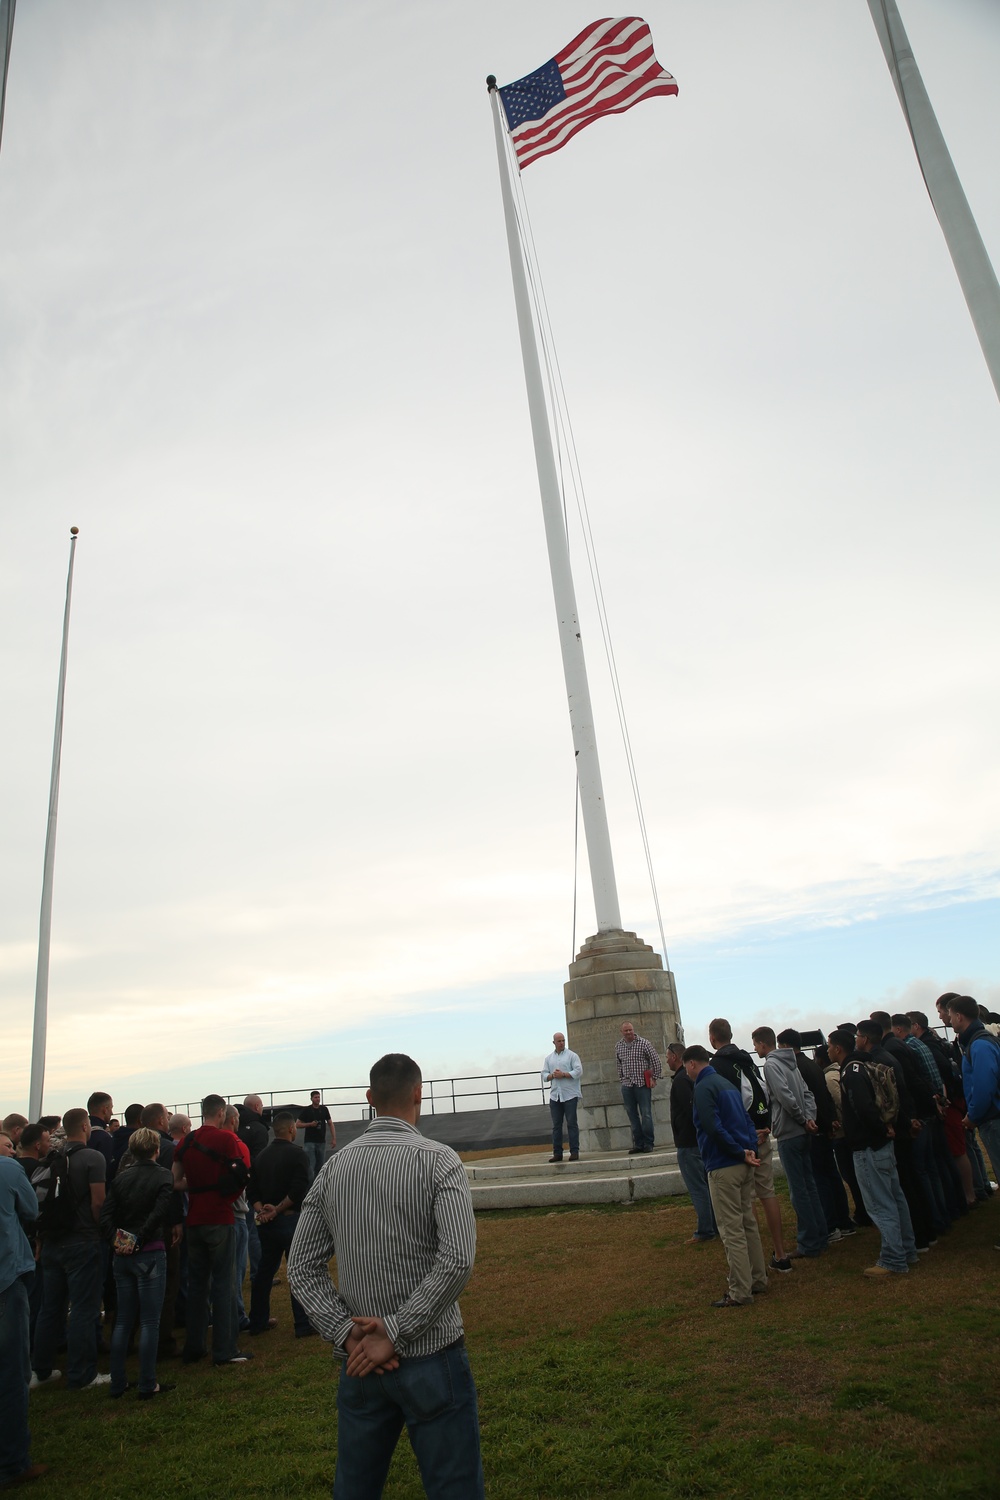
74,531
491,81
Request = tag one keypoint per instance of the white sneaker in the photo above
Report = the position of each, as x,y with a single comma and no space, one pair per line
35,1382
97,1380
834,1236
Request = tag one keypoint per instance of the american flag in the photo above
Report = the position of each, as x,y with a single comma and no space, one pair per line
604,71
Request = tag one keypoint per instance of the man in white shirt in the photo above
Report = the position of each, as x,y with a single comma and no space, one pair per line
563,1070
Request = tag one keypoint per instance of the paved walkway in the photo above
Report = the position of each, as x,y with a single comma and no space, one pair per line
601,1177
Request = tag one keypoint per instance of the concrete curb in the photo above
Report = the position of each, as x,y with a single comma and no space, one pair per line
619,1187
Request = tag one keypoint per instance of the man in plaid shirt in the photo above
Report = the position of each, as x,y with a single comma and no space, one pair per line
638,1069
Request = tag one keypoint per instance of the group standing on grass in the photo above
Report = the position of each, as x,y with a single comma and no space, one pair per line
155,1220
887,1109
160,1226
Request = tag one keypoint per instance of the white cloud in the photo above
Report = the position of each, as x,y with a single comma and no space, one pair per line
264,355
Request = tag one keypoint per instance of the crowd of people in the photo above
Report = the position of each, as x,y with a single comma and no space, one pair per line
144,1230
884,1128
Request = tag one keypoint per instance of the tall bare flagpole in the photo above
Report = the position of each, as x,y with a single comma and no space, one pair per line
7,8
972,263
45,919
581,714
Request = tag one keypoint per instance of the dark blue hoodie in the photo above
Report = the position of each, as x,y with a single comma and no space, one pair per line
724,1131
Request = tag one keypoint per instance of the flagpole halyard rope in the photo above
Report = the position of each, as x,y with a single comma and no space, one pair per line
564,434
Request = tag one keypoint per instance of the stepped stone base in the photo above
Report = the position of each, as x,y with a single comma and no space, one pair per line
616,977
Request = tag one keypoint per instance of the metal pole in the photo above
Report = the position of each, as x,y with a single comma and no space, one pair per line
7,8
45,917
965,244
581,714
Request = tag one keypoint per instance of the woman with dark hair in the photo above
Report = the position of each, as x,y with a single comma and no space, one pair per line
135,1219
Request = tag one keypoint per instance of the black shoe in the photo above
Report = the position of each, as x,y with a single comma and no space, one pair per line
306,1333
161,1390
574,1156
781,1265
728,1301
116,1395
239,1358
191,1359
554,1158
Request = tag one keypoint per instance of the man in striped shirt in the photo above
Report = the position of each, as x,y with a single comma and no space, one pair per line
639,1067
397,1207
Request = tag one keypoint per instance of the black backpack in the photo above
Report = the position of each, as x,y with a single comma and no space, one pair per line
57,1203
738,1066
234,1174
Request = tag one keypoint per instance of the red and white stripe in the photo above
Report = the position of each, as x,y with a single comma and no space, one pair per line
605,70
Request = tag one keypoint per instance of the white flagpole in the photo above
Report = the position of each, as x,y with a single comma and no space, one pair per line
45,919
7,8
581,715
972,263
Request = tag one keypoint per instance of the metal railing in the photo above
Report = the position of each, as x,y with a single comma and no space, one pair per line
441,1096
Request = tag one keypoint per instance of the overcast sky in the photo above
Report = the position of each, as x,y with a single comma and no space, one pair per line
257,340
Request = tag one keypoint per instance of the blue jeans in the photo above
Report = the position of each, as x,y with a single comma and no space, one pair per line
989,1132
637,1100
829,1183
275,1242
141,1281
796,1158
316,1156
241,1250
696,1181
560,1109
884,1200
436,1397
210,1273
929,1176
15,1372
253,1243
73,1274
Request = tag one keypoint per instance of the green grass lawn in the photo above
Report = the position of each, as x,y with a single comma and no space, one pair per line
602,1371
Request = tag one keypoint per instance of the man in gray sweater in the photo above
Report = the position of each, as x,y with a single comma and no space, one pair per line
793,1121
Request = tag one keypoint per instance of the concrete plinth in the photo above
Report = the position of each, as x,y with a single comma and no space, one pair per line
616,977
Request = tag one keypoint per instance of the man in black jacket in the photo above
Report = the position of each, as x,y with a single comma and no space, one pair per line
279,1180
692,1168
155,1117
829,1183
254,1135
869,1040
870,1139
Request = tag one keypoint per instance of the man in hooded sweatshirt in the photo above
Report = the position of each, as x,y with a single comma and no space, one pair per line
793,1122
980,1074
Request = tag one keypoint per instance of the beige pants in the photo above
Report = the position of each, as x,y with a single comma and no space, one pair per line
732,1198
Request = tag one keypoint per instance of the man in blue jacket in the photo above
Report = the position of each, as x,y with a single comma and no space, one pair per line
728,1144
980,1075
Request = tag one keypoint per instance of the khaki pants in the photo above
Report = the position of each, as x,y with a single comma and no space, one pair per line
763,1176
732,1199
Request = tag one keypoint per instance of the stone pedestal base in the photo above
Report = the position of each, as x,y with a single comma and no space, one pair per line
614,978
